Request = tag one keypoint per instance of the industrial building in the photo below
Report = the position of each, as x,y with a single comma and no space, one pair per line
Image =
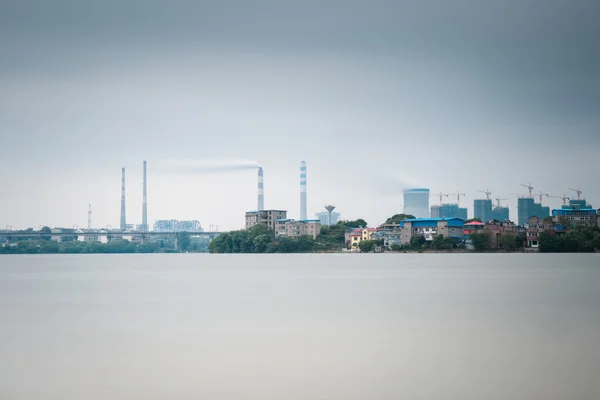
527,208
293,228
324,217
416,202
173,225
449,211
265,217
429,228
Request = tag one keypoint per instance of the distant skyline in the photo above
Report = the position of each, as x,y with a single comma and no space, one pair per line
375,96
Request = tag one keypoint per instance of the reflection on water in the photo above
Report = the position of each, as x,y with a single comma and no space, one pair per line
300,327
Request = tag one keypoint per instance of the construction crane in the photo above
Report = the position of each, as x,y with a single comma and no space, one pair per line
542,195
498,199
487,193
440,195
578,193
530,188
458,194
563,197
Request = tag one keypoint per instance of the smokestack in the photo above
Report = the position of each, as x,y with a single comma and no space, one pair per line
123,219
303,190
145,204
261,193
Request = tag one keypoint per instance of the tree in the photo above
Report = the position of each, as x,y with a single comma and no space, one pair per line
396,218
260,243
359,223
183,241
366,246
508,242
442,243
417,242
480,240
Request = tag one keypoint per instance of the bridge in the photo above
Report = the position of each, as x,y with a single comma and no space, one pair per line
7,236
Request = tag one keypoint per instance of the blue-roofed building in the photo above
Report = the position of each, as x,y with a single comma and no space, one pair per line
575,215
429,228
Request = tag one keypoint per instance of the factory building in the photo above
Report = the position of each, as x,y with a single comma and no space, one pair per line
293,228
449,211
265,217
324,217
528,208
416,202
173,225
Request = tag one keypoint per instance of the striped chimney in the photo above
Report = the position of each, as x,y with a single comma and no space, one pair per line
261,193
303,213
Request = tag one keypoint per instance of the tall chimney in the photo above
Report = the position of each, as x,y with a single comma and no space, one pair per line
123,219
261,193
303,190
145,204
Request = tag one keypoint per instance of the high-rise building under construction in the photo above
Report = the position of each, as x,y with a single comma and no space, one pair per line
416,202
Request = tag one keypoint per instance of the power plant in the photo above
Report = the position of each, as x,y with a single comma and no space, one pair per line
123,225
303,212
261,193
144,204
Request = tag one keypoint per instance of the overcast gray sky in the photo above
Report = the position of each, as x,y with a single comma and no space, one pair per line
374,95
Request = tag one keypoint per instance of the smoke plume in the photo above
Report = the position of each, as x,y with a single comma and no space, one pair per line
198,166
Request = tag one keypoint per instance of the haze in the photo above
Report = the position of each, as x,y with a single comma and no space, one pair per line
374,96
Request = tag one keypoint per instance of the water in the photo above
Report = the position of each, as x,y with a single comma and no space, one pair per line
300,327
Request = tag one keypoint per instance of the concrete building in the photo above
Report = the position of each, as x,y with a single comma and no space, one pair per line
429,228
293,228
265,217
449,211
500,214
575,215
416,202
483,209
535,226
527,208
496,229
324,217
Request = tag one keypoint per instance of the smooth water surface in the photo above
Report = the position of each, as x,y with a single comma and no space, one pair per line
338,326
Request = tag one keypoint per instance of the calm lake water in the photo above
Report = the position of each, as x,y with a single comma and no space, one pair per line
337,326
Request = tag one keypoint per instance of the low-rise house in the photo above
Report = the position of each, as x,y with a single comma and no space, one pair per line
497,229
293,228
354,236
429,228
473,227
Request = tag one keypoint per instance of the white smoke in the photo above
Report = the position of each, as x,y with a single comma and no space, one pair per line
198,166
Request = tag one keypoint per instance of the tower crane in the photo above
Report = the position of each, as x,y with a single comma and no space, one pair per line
441,195
498,199
530,188
563,197
458,194
578,193
487,193
542,195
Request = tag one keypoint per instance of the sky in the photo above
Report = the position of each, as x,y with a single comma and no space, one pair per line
376,96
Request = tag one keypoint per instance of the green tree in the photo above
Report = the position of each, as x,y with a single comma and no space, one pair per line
366,246
359,223
396,218
417,242
481,241
183,241
260,243
508,242
442,243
